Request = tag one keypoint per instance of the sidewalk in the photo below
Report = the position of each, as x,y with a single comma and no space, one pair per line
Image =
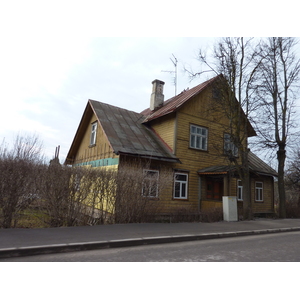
22,242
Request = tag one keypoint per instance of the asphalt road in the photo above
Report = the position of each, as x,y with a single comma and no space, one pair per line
279,247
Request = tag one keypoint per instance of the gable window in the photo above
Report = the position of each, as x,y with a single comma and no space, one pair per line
239,190
229,147
258,191
198,137
93,134
150,183
180,185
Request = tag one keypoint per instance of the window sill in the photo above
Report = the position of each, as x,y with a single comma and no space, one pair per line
180,199
150,198
91,146
201,150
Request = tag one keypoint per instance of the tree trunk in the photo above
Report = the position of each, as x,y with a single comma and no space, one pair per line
247,204
247,207
281,155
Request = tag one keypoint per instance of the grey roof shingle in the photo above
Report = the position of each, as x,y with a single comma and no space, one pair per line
126,133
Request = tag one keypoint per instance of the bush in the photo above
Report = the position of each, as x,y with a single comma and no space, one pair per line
138,192
77,196
19,169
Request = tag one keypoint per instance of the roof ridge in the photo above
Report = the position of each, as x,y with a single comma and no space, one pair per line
121,108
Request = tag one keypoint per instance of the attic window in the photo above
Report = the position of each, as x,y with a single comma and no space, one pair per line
93,134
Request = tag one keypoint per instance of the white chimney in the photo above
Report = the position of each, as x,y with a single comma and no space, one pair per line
157,96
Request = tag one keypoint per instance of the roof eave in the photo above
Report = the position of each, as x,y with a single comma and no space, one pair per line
74,146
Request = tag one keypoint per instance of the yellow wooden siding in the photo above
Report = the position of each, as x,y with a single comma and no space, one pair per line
194,112
208,205
165,128
268,194
100,150
199,111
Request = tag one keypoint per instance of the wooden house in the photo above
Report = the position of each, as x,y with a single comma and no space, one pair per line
186,136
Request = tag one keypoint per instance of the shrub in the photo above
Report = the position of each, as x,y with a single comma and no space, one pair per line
19,169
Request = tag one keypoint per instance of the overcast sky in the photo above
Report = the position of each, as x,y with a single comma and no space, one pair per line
50,67
47,84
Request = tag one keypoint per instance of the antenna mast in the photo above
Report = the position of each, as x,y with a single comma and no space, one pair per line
174,61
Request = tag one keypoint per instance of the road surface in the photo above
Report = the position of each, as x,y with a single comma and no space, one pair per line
278,247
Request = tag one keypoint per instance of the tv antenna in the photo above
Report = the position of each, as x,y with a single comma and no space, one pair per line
174,61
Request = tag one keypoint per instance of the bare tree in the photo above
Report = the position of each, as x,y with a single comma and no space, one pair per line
102,198
19,167
78,195
279,74
234,58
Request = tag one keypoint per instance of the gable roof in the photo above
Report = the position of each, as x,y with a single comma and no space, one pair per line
256,165
177,101
174,103
128,133
124,131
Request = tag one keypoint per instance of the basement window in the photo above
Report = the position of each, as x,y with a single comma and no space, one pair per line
93,134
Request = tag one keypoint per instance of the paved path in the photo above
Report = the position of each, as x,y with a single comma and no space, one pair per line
20,242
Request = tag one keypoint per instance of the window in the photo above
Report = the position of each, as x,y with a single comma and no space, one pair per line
198,137
239,190
229,147
180,186
93,134
258,191
150,183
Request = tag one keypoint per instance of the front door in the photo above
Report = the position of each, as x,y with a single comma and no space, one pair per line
214,189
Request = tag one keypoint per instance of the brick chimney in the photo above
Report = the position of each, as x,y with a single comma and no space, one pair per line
157,96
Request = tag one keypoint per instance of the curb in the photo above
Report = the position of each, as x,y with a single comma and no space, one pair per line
97,245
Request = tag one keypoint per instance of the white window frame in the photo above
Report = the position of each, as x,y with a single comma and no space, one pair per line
229,147
198,137
239,190
259,191
93,134
183,186
150,182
